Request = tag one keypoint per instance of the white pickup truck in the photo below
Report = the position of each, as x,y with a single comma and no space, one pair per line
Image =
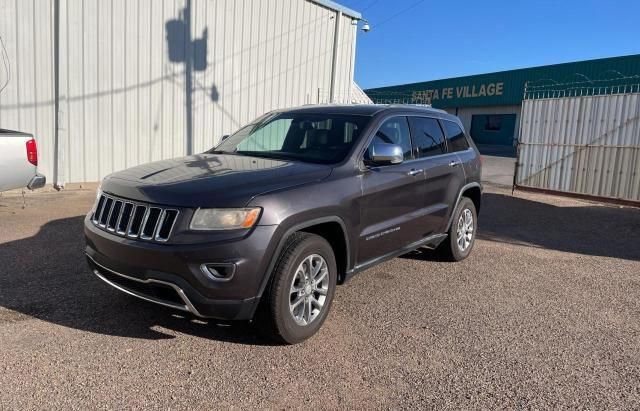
19,161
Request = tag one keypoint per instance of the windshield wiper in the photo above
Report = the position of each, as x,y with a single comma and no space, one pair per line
222,152
268,154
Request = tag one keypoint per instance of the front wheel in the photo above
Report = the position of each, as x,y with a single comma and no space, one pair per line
301,290
462,233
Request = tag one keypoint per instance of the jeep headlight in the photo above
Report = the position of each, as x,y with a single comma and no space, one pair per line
224,218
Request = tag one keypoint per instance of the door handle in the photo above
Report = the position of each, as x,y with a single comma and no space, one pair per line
415,172
454,163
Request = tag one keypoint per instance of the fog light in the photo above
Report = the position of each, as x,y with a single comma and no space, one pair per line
214,272
218,272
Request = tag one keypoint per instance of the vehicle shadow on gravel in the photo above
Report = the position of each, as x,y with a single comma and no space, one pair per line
597,230
46,277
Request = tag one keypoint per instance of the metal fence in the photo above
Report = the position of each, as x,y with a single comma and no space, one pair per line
402,100
583,140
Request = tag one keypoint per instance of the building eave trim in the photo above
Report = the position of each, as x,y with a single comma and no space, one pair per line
338,7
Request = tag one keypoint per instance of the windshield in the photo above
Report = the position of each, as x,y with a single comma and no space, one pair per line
316,138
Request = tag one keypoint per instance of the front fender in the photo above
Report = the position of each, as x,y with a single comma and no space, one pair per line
291,226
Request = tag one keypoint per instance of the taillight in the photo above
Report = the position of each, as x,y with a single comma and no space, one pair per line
32,152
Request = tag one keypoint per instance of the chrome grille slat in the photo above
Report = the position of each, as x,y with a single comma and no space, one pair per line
118,216
135,232
125,214
117,208
169,221
108,206
133,216
147,233
117,224
99,207
100,210
159,224
144,222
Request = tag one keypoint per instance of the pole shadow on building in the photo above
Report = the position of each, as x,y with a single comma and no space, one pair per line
192,52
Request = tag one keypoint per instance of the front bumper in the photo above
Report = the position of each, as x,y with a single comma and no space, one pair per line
171,274
149,293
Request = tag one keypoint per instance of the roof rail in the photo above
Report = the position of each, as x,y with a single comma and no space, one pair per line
429,106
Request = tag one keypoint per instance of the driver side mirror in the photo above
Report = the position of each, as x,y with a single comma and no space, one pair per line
386,154
226,136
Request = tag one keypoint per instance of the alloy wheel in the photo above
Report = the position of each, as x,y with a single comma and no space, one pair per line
309,289
465,229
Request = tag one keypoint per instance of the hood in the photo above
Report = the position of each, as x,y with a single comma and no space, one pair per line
210,180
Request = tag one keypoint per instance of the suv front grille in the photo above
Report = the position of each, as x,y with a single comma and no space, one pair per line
134,220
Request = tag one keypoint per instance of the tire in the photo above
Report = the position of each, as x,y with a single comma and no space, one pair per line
453,248
302,254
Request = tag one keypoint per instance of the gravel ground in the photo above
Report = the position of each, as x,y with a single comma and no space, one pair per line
544,314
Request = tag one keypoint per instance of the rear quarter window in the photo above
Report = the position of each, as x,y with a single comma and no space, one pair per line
456,140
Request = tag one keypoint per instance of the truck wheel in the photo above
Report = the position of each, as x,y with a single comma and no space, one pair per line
462,233
301,289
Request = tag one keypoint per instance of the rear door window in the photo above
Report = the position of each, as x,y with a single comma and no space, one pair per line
456,140
428,138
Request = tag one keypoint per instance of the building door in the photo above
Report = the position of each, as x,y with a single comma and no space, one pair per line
497,129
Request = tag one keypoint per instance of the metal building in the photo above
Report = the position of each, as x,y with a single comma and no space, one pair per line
106,85
490,105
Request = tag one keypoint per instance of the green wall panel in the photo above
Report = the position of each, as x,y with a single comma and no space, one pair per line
507,87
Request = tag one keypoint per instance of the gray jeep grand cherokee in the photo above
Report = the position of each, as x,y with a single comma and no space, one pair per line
265,225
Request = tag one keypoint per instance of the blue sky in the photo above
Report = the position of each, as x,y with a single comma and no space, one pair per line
440,39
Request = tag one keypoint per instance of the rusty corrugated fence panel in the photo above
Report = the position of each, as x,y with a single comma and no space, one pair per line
586,145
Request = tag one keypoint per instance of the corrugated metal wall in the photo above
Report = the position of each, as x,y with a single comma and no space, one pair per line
27,101
586,145
123,98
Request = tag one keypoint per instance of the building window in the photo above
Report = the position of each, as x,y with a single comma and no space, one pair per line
493,123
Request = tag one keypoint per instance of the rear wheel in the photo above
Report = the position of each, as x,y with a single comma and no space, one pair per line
301,290
462,233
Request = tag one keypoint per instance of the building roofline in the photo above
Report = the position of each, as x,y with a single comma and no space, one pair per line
514,70
338,7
